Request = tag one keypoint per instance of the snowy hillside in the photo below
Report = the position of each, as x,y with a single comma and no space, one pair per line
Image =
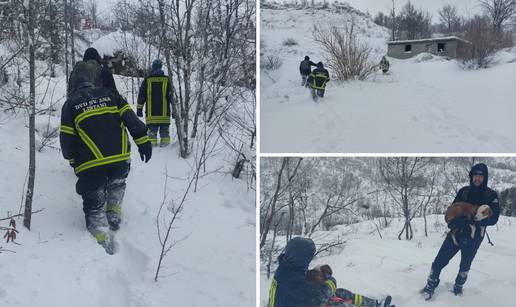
425,104
58,263
378,267
465,7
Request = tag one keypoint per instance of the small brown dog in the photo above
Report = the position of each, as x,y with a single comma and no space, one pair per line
315,276
319,273
468,211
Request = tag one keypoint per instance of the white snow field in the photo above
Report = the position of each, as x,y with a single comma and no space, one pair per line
379,267
58,263
425,104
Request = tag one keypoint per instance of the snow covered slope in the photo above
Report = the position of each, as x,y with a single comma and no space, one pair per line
58,263
425,104
378,267
465,7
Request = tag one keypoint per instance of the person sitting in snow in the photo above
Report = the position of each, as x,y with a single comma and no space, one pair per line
469,234
305,69
294,285
94,139
384,65
317,81
156,93
102,75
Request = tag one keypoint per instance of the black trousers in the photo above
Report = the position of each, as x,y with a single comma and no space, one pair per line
449,249
102,192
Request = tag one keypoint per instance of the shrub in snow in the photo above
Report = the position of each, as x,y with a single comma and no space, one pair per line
271,62
346,56
290,42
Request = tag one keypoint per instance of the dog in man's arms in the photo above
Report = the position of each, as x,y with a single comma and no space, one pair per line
466,211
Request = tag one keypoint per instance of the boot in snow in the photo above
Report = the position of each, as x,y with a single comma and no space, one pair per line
459,282
431,283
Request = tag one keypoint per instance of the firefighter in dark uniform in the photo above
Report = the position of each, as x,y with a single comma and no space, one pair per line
317,81
93,137
469,233
156,95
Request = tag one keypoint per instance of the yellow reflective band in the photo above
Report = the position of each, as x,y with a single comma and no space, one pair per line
332,286
101,237
67,130
103,161
153,140
114,208
272,293
149,96
359,299
141,140
157,119
164,96
124,140
139,106
165,140
89,142
124,108
99,111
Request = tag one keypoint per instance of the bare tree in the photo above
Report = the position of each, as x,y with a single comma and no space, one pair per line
346,56
499,11
448,15
405,179
31,41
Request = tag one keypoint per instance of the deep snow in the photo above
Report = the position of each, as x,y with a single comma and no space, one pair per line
58,263
425,104
378,267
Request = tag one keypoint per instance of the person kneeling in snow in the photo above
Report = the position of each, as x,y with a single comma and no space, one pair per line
94,139
317,80
294,285
470,233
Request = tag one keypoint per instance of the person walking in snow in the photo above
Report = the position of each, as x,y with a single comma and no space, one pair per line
384,65
156,93
305,69
100,74
293,285
317,81
469,233
94,139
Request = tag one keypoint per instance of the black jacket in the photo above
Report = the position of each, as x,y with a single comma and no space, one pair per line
319,78
305,67
480,196
106,80
156,93
289,287
93,128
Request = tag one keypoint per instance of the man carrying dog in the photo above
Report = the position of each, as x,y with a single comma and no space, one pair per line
468,233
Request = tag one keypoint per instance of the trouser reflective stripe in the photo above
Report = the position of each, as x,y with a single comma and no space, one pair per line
272,293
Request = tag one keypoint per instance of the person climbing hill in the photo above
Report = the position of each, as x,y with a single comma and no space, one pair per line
317,81
305,69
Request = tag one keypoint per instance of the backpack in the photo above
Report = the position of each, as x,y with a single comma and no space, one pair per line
88,71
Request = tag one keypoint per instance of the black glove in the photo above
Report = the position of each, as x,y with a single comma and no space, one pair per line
145,151
139,112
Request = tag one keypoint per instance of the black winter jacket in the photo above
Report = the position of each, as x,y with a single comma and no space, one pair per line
93,129
156,93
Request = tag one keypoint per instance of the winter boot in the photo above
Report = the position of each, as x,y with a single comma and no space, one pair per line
106,241
459,282
431,283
